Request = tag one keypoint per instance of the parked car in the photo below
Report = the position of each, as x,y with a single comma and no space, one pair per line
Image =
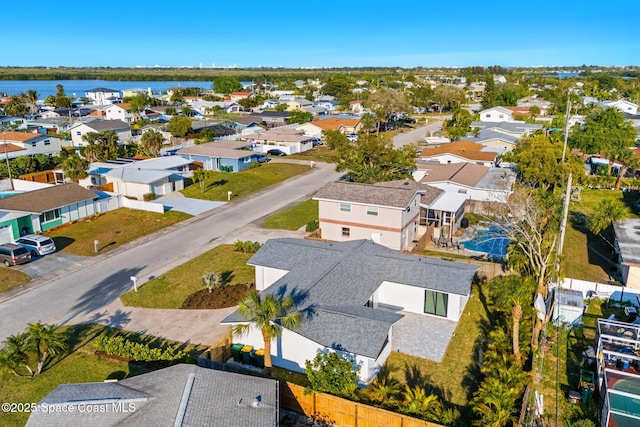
12,254
352,137
317,141
409,120
262,158
36,244
276,152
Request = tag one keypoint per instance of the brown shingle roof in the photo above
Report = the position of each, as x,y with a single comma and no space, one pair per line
228,149
10,148
46,199
19,136
465,149
394,196
468,174
334,123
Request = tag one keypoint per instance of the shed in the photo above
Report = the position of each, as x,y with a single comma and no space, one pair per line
568,306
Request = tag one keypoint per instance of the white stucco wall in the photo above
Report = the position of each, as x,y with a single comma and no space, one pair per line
631,275
411,299
266,276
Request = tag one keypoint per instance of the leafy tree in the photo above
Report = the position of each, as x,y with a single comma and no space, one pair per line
368,121
459,125
385,102
373,159
226,85
300,117
187,111
152,141
268,313
281,107
138,103
179,126
512,293
171,111
331,372
46,340
334,139
248,103
603,130
75,167
421,96
338,85
61,99
534,110
539,162
15,106
447,97
212,280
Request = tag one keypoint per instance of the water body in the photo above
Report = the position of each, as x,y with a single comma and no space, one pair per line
77,88
491,241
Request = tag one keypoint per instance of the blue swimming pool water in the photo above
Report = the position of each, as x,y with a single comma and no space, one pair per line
4,194
491,241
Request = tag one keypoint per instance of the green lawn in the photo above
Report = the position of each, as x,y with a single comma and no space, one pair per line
456,374
244,182
111,229
10,278
321,153
172,288
295,217
587,256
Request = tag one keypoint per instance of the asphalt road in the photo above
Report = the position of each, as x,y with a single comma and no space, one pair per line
96,282
416,135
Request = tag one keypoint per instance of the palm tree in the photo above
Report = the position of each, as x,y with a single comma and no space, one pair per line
494,403
200,175
269,313
46,340
607,212
152,141
211,281
416,401
511,293
14,353
109,139
31,98
384,390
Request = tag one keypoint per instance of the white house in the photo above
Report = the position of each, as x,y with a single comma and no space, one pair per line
290,141
622,105
103,96
496,114
121,129
119,112
628,248
352,293
28,144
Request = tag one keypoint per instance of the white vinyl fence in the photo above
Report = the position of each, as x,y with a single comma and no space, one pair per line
602,290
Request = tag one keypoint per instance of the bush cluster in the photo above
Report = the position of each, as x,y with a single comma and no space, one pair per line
247,246
312,225
118,345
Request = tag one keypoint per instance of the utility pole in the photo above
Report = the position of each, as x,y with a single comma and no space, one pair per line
566,127
6,156
563,226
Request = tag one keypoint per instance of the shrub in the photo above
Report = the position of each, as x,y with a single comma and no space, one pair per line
247,246
313,225
147,197
118,345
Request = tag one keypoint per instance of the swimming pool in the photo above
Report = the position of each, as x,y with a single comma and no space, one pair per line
4,194
491,241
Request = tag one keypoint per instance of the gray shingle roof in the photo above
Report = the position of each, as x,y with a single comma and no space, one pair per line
627,240
101,125
336,280
397,195
46,199
216,399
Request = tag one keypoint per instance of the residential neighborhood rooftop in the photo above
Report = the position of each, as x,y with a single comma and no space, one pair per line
468,174
628,240
398,194
46,199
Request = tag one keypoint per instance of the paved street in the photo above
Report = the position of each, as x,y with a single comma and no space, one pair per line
95,283
416,135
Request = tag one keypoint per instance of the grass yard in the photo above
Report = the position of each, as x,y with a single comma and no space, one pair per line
10,278
295,217
111,229
586,256
172,288
244,182
80,365
320,153
457,374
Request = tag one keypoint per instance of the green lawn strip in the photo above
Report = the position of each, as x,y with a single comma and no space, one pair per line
586,256
78,365
295,217
172,288
111,229
318,154
244,182
11,278
453,372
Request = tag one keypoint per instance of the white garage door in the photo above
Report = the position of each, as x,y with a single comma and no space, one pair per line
6,236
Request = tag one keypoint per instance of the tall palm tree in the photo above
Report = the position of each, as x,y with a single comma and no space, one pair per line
31,98
269,313
606,213
511,293
152,141
46,340
74,167
109,139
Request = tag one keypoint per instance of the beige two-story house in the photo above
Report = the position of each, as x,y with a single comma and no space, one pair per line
387,212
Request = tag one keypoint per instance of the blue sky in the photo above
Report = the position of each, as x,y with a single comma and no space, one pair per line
320,34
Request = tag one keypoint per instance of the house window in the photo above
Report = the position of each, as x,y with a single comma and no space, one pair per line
47,142
436,303
247,159
49,215
345,207
33,144
78,133
372,210
487,115
501,116
346,231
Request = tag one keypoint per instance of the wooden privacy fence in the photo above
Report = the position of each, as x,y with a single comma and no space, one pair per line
342,412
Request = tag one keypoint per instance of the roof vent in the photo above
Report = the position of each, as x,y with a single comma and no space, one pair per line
257,402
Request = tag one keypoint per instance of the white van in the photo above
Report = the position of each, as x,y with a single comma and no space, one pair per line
36,244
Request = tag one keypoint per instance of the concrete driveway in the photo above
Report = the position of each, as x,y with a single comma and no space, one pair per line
188,205
52,265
